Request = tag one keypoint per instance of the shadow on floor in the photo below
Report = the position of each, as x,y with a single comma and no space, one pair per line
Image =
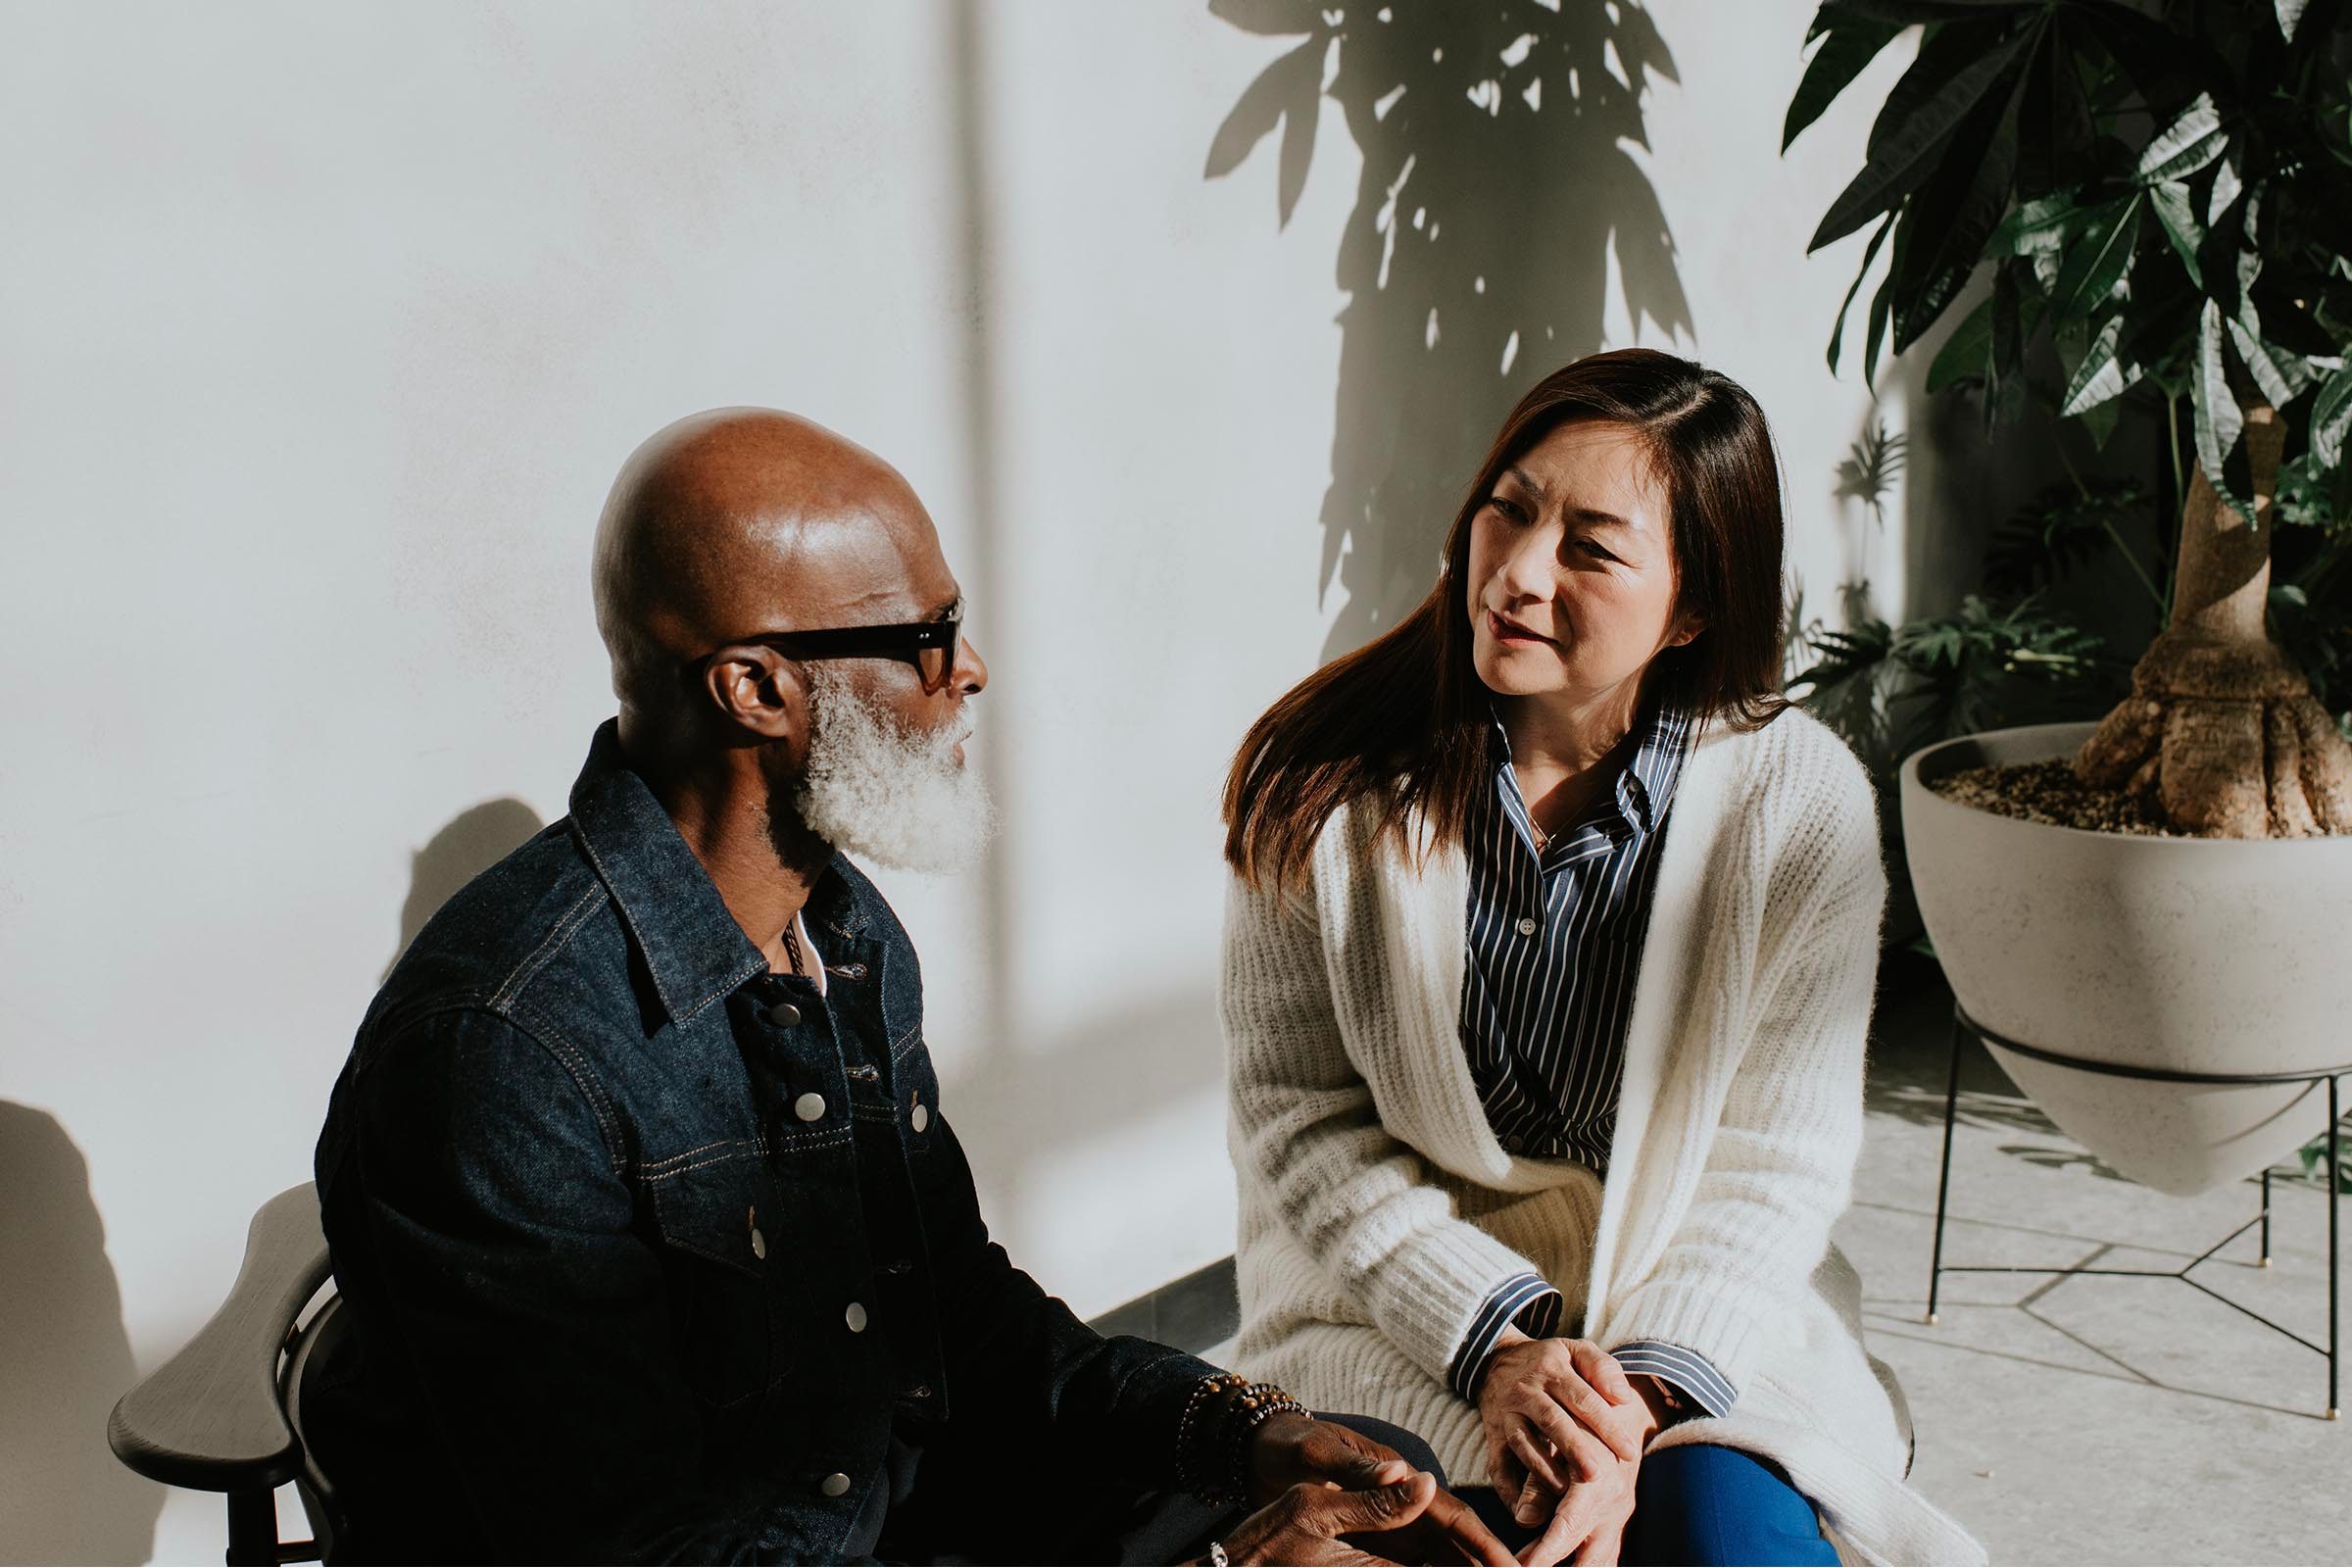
1910,1066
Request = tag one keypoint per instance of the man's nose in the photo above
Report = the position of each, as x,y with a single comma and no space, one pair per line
970,675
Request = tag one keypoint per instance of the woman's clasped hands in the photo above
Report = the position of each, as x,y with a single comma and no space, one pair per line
1565,1430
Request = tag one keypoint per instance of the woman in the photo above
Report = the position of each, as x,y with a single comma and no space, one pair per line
1547,967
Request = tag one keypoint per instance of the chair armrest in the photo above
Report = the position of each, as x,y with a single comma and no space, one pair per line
211,1417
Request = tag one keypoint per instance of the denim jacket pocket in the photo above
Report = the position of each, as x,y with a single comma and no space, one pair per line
720,1225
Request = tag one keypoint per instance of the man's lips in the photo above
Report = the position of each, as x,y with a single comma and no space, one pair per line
1510,631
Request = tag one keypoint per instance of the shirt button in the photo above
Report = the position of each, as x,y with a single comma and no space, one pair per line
854,1317
1527,925
921,1117
759,1243
809,1107
783,1016
834,1484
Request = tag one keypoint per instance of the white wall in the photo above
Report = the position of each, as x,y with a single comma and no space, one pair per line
323,332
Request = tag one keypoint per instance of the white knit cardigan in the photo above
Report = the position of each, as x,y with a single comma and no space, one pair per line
1378,1210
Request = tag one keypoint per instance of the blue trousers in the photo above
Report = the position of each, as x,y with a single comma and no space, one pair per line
1697,1503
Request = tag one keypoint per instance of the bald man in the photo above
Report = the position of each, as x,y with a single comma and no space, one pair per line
654,1238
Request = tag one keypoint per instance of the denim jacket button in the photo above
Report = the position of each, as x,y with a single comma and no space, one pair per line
834,1484
809,1107
921,1117
854,1317
783,1016
866,1072
758,1244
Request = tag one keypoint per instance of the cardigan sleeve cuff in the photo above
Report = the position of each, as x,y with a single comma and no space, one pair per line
1522,1300
1428,1293
1702,1319
1692,1374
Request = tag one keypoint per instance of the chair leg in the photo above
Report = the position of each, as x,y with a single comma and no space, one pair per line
252,1528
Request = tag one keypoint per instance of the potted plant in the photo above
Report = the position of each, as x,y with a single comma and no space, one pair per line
2163,198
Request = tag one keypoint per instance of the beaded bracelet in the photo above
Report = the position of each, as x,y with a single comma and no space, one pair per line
1212,1450
1193,1474
1245,1412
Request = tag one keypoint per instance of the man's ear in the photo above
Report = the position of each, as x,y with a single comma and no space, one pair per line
759,691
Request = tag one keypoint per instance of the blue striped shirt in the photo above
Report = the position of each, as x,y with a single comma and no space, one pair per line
1553,947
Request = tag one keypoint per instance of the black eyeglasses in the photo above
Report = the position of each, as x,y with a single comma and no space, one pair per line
928,645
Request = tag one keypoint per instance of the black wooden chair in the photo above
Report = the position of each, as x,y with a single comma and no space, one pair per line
225,1413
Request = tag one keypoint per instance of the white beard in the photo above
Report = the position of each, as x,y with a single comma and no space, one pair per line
885,793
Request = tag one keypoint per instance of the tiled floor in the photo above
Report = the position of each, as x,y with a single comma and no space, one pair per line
2088,1420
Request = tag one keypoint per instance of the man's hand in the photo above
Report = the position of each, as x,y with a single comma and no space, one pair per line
1291,1449
1292,1454
1312,1523
1565,1432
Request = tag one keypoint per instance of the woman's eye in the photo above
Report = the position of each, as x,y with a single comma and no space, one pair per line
1509,508
1595,550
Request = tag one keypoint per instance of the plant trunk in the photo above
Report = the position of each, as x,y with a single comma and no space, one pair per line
2221,727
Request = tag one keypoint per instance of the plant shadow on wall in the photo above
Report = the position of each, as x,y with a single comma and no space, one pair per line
1498,174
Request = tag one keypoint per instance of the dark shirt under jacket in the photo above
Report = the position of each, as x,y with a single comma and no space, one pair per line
652,1254
1553,947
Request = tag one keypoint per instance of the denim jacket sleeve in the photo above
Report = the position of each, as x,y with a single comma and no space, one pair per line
1096,1412
487,1210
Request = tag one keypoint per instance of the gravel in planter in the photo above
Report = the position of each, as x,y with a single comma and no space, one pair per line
2049,792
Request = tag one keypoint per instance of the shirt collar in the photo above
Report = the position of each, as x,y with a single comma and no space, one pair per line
691,949
1641,792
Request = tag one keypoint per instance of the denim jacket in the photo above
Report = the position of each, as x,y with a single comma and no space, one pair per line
652,1254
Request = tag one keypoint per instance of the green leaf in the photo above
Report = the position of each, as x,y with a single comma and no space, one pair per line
1881,302
2101,376
2098,262
2332,419
2162,62
2218,261
2059,141
1904,154
1956,209
2171,203
2100,421
1870,254
2217,422
1850,46
2282,375
2062,530
2184,146
2044,224
1966,354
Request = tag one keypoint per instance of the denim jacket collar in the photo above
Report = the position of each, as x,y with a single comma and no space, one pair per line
691,949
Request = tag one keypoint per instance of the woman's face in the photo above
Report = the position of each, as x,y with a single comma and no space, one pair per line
1572,576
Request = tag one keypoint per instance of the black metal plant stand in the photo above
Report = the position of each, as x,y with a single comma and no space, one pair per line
1963,1026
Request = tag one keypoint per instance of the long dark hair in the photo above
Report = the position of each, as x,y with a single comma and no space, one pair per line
1403,719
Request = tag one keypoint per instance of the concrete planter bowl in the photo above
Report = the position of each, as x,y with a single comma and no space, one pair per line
2202,956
